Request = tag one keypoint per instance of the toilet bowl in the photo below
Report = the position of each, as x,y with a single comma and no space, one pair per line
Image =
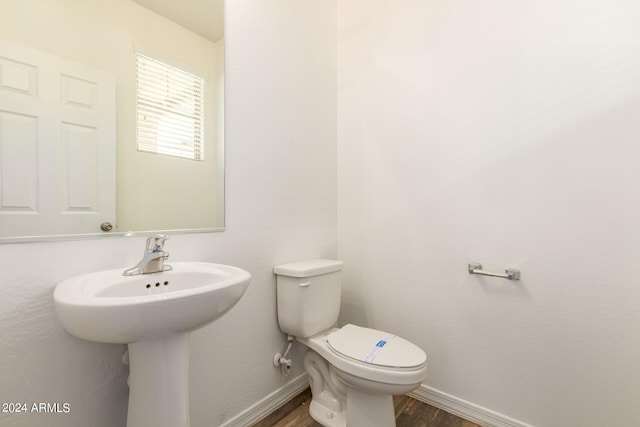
353,371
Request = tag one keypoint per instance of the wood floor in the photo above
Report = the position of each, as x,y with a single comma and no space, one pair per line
409,413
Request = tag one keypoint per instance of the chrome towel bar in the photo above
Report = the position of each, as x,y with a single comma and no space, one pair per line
509,273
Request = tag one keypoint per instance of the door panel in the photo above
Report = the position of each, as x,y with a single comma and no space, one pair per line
57,145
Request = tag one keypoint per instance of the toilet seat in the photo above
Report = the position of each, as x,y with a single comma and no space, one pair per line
375,347
345,354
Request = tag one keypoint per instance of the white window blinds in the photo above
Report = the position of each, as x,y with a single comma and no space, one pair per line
169,110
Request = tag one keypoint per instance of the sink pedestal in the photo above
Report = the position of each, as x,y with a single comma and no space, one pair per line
159,382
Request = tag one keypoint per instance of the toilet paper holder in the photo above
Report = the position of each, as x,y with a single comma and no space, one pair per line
509,273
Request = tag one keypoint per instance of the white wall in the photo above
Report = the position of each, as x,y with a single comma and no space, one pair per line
281,207
505,133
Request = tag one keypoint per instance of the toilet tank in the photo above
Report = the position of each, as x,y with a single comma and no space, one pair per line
308,294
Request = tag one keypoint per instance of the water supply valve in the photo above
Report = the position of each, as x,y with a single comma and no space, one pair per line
281,361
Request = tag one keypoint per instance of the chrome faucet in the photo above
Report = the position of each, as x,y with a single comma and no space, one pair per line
153,259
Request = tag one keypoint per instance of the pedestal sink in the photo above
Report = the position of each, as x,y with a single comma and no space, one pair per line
153,314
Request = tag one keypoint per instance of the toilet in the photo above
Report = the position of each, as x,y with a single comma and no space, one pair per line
353,371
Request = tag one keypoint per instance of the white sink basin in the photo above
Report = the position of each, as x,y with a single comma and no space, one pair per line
109,307
153,314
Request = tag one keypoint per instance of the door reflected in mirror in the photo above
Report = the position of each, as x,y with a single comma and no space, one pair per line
90,139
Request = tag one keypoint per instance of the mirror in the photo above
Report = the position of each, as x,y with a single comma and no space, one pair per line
72,116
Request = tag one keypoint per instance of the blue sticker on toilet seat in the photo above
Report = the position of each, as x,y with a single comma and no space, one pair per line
372,354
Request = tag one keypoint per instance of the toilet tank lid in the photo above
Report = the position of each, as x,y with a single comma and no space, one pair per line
308,268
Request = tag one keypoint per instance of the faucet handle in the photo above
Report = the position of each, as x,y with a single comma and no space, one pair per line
155,242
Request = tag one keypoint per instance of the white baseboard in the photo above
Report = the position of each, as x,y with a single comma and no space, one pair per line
462,408
270,403
453,405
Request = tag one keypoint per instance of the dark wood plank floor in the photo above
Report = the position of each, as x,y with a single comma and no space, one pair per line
409,413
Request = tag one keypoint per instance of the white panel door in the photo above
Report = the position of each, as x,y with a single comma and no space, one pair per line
57,145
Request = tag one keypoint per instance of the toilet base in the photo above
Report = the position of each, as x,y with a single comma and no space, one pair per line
326,416
365,409
336,404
